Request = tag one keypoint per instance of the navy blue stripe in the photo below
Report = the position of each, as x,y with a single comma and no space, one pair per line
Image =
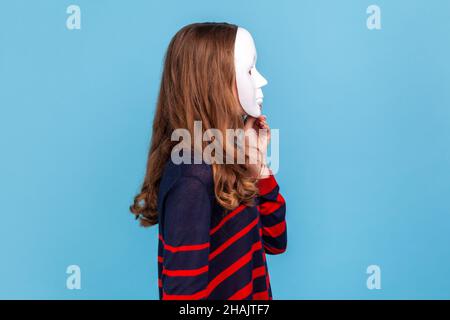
274,218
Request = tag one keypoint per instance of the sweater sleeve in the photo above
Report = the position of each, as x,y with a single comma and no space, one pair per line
186,241
272,209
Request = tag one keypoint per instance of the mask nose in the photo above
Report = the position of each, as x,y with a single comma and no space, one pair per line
258,79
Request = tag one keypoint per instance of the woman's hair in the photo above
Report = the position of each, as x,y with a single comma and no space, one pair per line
198,84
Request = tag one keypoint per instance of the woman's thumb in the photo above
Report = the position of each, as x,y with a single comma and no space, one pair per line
249,122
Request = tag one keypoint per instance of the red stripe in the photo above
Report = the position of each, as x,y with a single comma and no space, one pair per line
219,278
186,272
243,293
160,259
258,272
227,217
159,283
272,249
235,266
247,289
266,185
275,230
196,296
233,239
269,207
192,247
263,295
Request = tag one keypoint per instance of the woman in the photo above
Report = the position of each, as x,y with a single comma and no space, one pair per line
216,221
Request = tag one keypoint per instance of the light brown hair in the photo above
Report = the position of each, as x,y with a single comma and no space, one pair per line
198,84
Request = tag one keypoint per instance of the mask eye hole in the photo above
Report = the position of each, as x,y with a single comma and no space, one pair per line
250,72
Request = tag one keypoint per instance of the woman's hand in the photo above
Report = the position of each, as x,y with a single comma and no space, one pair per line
257,138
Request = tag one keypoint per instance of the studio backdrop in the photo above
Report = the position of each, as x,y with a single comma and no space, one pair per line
359,91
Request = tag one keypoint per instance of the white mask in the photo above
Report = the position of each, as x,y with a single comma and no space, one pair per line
248,80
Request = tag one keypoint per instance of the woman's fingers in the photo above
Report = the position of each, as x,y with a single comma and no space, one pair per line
262,122
249,122
264,125
255,123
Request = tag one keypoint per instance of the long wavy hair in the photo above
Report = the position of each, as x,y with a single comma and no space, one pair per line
198,84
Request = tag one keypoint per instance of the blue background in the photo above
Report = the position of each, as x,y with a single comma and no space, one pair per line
364,119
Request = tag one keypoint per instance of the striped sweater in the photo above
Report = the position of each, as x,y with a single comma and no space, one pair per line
205,252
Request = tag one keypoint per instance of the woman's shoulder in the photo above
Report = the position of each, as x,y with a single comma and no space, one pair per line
201,172
185,175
